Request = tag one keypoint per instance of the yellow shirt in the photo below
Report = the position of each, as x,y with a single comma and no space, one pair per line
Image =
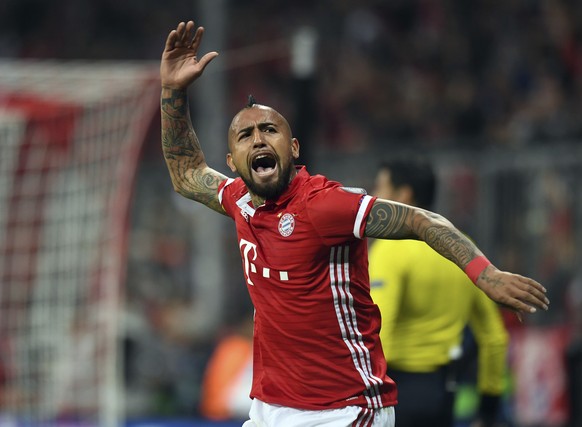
426,301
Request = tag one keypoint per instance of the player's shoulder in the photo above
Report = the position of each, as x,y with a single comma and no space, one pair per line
318,183
233,186
231,189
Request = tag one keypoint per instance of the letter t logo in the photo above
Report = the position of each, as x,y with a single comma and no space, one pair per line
246,247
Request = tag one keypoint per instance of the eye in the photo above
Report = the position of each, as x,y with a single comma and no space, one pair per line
270,129
243,135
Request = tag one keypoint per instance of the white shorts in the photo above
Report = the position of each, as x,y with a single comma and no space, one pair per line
265,415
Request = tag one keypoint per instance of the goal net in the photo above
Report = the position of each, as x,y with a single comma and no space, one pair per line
70,138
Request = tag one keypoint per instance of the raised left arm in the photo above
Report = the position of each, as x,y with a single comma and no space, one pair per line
392,220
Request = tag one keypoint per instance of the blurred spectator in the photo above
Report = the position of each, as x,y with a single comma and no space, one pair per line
228,376
435,73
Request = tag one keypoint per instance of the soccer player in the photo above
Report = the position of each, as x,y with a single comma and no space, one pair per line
317,357
426,301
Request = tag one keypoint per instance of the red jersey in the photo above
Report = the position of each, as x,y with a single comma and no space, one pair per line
316,337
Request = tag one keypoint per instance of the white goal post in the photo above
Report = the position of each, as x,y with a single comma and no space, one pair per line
70,139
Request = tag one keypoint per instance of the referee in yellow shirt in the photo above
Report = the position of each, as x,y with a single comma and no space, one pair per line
426,301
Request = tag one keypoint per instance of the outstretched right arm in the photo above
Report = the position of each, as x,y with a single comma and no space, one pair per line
179,67
392,220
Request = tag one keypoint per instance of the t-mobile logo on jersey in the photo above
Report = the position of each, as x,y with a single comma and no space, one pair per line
248,252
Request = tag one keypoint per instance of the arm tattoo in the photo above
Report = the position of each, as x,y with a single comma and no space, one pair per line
178,136
183,154
450,242
389,220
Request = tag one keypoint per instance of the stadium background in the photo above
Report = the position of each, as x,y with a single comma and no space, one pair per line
489,89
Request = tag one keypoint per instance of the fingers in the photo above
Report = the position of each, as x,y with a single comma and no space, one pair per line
518,313
175,37
171,40
522,307
183,31
531,282
205,60
186,35
533,293
525,296
197,38
183,35
189,36
518,293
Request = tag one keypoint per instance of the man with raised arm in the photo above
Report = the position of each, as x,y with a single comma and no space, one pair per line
317,357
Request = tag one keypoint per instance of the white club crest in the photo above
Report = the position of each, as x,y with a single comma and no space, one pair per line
286,225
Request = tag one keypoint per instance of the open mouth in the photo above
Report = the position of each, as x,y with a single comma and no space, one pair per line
264,164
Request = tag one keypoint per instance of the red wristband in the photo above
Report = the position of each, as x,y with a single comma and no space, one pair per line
476,267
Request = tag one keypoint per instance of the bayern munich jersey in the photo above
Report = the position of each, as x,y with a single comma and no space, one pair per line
316,336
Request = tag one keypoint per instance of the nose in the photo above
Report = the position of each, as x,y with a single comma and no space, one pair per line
257,138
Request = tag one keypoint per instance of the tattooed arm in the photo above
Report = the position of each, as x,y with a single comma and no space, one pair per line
179,67
391,220
190,174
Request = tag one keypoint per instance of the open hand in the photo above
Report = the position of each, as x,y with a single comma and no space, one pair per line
180,65
518,293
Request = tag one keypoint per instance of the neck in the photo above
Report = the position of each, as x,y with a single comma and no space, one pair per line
260,200
257,200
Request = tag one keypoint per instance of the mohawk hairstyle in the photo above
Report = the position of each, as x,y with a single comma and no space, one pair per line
252,101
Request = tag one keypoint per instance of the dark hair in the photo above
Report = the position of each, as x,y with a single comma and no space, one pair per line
251,101
418,174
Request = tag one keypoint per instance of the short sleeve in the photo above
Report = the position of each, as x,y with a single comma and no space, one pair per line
222,190
339,214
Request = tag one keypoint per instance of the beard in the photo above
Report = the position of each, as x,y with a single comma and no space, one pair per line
272,190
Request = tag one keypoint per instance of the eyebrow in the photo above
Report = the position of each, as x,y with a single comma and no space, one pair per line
261,126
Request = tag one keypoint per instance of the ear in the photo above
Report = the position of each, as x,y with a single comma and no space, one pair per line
230,163
295,148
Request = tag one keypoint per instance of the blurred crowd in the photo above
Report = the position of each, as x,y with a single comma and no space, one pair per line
388,74
428,72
